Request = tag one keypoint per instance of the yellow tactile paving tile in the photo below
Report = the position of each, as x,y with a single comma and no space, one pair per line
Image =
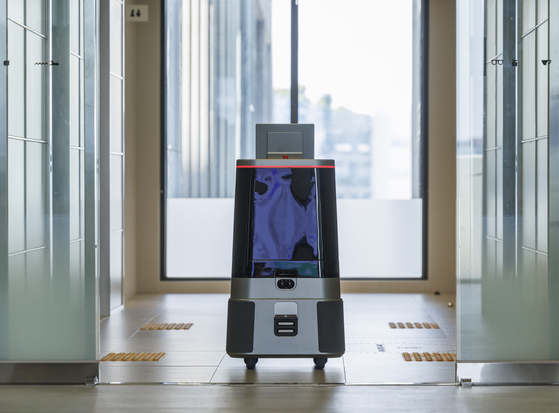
449,356
133,357
414,325
166,326
429,356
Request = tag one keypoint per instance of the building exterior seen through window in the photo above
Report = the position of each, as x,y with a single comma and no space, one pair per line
228,68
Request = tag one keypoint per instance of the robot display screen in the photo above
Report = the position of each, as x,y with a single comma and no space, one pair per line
285,232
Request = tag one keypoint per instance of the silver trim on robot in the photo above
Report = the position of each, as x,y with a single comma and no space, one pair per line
265,288
506,373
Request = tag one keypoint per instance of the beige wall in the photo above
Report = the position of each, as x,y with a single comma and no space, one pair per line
143,157
130,245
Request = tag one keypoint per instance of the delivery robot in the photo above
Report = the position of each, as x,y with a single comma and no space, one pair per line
285,286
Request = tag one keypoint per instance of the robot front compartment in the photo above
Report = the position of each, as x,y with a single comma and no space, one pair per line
285,328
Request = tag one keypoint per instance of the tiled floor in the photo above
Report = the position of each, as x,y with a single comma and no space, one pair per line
373,349
213,382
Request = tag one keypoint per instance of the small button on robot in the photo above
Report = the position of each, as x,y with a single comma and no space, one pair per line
286,284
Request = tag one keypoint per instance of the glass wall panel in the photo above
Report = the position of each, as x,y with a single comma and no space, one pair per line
36,15
75,108
36,194
82,194
111,147
116,268
490,142
499,109
116,46
75,27
75,201
498,197
529,86
542,201
16,85
116,115
542,79
16,195
491,33
36,87
529,164
490,195
528,14
16,10
507,306
543,10
49,287
116,192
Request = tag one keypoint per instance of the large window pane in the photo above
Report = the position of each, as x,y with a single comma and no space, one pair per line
355,85
281,55
219,85
228,68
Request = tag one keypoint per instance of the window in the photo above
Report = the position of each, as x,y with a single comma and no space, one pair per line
229,65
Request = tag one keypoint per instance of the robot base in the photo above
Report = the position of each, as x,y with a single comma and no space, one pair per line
319,362
298,328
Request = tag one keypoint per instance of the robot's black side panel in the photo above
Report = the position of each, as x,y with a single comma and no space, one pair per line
330,316
244,188
240,326
326,183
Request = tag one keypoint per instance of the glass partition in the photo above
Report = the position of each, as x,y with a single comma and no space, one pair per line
48,288
506,142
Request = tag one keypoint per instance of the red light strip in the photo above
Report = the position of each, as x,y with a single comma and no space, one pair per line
285,166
